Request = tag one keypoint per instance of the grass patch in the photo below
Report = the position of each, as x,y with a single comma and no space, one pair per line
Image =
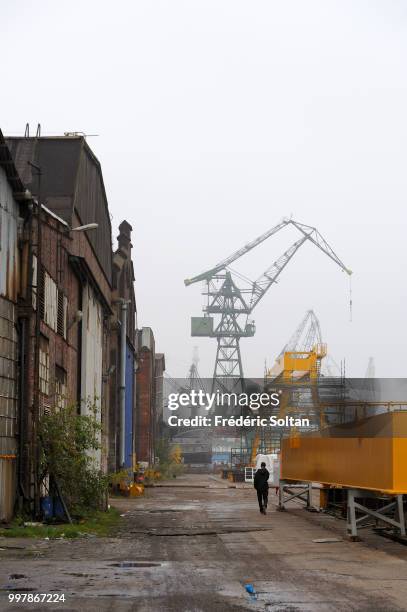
99,524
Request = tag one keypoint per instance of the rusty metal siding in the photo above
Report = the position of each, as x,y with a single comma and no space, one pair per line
9,268
8,377
9,284
7,488
8,406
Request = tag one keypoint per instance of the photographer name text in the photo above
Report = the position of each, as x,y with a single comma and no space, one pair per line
238,421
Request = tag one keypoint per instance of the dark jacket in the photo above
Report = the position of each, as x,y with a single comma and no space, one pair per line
260,479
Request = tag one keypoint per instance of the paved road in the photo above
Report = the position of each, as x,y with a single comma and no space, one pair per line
195,544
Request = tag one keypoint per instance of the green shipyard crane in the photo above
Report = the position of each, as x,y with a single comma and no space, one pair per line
229,306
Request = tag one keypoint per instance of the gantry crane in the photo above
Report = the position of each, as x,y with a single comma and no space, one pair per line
304,339
228,306
299,359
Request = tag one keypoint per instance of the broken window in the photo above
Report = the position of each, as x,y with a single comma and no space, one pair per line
60,388
44,366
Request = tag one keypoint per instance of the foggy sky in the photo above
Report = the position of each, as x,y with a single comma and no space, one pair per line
215,120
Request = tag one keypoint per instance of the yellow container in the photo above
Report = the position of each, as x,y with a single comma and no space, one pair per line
369,454
136,489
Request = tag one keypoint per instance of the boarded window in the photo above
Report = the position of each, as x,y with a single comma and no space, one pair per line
50,302
44,366
53,303
60,388
41,290
34,281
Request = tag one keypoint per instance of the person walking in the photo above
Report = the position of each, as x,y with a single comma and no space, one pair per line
262,486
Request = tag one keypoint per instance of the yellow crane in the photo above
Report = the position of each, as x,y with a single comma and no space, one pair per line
299,359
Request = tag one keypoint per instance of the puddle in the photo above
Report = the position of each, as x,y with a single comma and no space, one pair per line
79,574
19,589
17,576
158,511
128,564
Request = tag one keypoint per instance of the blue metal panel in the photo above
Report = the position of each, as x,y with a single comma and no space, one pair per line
221,457
128,436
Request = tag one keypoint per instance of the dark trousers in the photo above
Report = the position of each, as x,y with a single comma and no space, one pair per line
262,496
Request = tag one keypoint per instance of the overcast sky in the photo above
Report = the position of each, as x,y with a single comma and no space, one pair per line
215,120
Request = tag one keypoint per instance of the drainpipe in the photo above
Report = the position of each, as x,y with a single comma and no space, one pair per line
122,388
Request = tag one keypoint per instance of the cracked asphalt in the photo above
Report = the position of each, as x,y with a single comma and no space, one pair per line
192,546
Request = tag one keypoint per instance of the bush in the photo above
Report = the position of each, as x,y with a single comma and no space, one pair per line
68,445
169,461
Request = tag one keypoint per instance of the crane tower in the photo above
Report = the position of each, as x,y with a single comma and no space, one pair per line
229,306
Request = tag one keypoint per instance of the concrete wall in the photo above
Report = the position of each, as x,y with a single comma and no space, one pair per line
92,355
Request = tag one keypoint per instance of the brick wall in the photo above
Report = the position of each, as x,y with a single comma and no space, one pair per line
145,413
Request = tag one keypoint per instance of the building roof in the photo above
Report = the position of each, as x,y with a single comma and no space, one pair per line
71,184
9,167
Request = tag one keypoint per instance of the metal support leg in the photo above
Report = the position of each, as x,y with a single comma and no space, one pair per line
309,497
302,492
351,515
400,514
281,496
391,514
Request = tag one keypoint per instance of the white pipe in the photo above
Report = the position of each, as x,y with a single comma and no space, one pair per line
122,389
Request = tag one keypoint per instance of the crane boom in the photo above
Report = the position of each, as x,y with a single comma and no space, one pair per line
264,282
314,236
237,254
310,232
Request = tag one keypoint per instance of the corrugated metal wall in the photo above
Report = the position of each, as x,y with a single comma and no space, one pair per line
9,268
8,347
8,377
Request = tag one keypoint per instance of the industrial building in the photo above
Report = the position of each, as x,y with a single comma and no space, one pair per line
13,208
67,311
150,371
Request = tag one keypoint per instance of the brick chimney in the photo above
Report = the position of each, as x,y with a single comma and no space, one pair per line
124,238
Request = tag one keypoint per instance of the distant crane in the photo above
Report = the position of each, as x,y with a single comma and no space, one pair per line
306,336
371,369
232,305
